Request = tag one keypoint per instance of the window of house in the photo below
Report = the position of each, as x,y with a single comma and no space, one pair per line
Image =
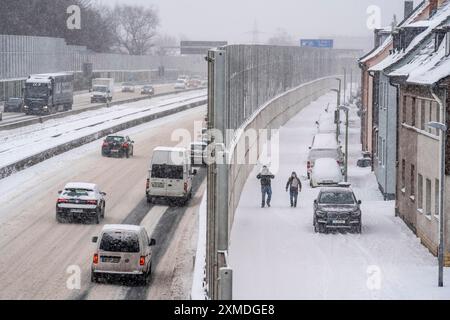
436,196
413,182
413,112
419,192
422,114
428,198
403,174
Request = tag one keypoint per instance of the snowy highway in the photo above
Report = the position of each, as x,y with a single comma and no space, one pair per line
82,101
275,253
17,144
36,251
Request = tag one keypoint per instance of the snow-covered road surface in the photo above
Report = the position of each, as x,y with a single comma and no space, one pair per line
275,253
17,144
35,251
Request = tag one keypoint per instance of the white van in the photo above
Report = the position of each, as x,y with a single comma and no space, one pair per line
170,176
123,250
324,146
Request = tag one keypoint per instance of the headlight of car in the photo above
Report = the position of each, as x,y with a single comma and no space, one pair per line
321,213
356,212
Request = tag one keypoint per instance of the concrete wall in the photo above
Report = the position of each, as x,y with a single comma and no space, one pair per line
272,115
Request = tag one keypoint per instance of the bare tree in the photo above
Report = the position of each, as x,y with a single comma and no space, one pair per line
166,45
281,38
135,28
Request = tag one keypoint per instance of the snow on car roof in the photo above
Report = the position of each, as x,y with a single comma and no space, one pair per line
324,141
121,227
80,185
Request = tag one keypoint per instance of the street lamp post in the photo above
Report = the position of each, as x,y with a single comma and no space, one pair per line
346,109
336,115
443,128
345,83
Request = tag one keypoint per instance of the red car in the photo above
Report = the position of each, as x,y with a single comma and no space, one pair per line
117,146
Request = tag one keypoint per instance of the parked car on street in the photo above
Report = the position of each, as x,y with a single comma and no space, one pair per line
14,105
324,146
326,172
128,87
337,208
122,250
80,201
118,146
148,89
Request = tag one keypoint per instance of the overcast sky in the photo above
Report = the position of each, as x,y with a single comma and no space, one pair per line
234,20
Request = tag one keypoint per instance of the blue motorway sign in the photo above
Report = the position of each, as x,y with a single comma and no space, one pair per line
317,43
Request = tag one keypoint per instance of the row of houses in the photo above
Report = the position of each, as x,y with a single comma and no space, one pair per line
405,85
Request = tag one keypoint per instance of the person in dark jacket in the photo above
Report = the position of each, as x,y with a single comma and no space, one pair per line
265,176
295,186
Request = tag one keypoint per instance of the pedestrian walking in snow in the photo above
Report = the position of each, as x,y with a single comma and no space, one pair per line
295,186
265,176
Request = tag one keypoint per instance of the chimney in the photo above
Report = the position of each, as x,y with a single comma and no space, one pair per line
409,8
433,6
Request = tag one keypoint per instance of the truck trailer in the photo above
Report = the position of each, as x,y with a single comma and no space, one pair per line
48,93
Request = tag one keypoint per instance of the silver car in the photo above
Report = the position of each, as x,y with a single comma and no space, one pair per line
123,250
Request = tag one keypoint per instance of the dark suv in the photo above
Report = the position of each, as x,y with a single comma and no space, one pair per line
337,208
117,146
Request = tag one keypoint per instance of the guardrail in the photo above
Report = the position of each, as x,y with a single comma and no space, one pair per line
41,119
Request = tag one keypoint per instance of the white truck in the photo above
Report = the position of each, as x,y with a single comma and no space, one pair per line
102,90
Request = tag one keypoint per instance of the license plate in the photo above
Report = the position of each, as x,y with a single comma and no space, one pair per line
158,184
76,210
110,259
338,221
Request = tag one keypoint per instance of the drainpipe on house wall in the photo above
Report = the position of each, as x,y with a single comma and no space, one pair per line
371,75
397,86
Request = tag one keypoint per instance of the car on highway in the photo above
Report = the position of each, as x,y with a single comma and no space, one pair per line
148,90
337,209
197,153
170,176
119,146
128,87
324,146
14,105
180,84
80,201
122,250
326,172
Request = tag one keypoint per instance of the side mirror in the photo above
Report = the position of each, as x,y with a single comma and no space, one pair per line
132,141
194,172
315,201
60,191
309,147
94,239
359,202
103,193
152,242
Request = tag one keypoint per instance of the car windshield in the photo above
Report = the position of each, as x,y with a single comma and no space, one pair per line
14,100
127,84
336,197
119,241
78,192
36,90
164,171
100,88
115,139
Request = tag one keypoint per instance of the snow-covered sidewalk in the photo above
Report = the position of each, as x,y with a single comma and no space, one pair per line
275,253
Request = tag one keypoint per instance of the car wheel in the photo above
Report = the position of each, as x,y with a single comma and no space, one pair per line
94,277
59,219
97,217
103,210
149,200
316,229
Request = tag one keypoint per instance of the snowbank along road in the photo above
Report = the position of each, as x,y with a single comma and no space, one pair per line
38,255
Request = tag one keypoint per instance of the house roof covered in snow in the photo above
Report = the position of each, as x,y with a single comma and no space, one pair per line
408,20
419,45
